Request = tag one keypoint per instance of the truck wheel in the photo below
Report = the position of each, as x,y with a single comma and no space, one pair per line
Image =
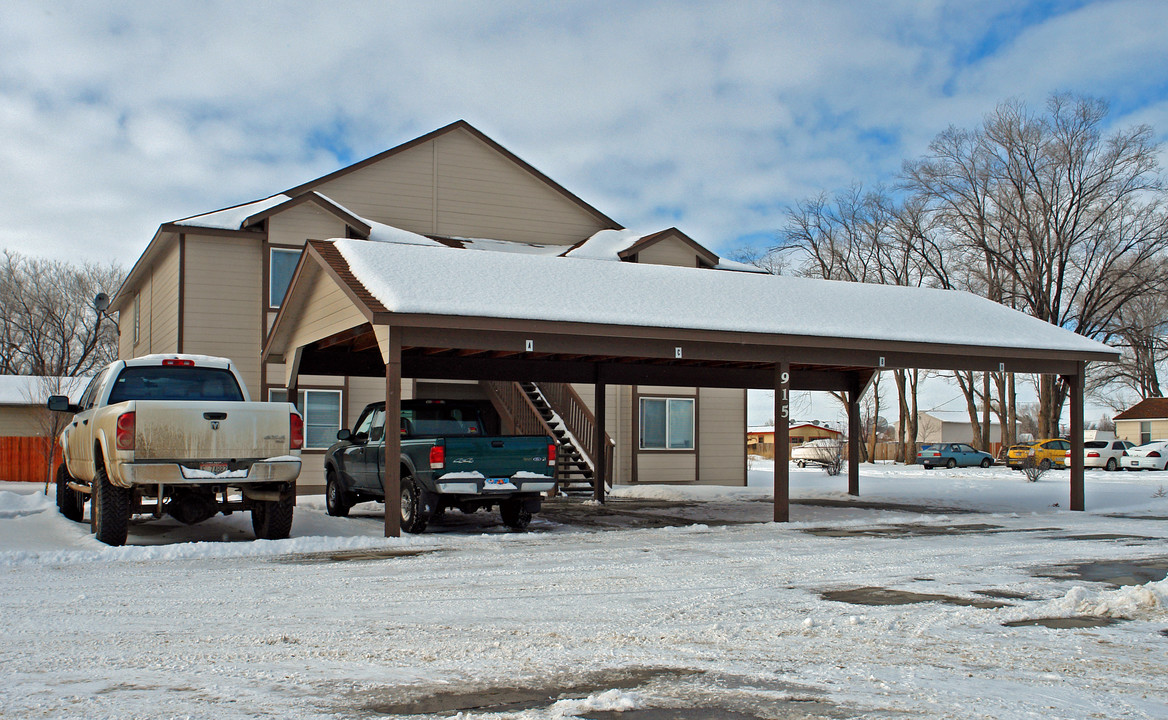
272,519
514,515
414,516
336,501
111,510
70,502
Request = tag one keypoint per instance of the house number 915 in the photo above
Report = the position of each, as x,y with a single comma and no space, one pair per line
784,382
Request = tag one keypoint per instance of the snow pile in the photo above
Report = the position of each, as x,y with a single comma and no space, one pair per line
675,493
14,505
1146,601
204,550
383,233
607,701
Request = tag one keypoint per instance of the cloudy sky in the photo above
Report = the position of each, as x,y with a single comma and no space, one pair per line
715,117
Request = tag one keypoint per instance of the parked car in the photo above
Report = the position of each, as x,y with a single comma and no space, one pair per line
1105,454
824,451
177,434
1043,454
447,461
1149,456
952,455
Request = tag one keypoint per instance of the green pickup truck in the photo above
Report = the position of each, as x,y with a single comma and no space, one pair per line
447,461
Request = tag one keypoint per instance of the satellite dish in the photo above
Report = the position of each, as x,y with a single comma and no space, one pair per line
101,302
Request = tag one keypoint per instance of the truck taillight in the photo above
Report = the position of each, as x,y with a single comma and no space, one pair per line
175,362
551,455
438,457
125,431
296,427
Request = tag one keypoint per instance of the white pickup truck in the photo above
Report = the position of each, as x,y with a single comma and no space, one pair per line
177,434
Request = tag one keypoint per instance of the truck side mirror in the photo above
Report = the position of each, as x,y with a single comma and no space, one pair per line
60,403
344,434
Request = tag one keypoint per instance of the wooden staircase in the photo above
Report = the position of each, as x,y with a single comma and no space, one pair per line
554,409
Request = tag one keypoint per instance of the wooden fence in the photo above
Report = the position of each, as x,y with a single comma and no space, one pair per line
22,459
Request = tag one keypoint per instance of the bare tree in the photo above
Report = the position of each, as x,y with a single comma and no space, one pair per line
50,325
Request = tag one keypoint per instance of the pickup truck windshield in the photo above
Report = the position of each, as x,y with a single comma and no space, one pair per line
175,383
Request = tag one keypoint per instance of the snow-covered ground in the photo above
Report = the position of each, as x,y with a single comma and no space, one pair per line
680,598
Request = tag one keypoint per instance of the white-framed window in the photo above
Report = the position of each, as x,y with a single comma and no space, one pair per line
1145,432
667,423
281,264
322,415
137,318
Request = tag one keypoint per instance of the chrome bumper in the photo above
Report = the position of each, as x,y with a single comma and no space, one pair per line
172,474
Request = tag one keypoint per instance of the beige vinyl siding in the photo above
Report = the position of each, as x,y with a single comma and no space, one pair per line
669,252
222,314
365,390
326,310
21,420
666,467
164,302
398,190
1130,430
457,185
617,420
126,332
302,222
142,346
721,436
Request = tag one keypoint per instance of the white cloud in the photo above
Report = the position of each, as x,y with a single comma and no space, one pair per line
116,117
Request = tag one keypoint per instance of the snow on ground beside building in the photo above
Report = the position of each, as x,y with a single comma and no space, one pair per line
669,597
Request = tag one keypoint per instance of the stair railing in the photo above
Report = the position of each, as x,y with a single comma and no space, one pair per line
579,421
518,414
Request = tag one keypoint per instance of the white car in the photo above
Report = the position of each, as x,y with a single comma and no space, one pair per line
823,451
1106,454
1149,456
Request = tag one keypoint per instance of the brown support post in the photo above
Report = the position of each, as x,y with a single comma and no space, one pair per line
782,441
392,484
599,459
1076,383
854,432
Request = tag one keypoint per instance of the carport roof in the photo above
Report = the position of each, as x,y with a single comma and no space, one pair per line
743,318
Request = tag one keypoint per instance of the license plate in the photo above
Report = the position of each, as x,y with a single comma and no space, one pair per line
497,482
213,468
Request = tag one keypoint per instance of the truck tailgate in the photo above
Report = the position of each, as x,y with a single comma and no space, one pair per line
498,457
208,430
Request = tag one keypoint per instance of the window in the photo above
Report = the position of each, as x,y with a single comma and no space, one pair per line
1145,433
175,383
667,423
322,415
281,263
137,318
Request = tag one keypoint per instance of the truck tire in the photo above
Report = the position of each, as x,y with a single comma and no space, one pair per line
272,519
336,500
111,510
514,515
70,502
414,514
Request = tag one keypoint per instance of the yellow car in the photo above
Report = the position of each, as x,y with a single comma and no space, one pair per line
1043,454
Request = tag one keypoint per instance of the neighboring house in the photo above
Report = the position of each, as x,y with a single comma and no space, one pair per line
213,284
1143,422
26,424
939,426
760,440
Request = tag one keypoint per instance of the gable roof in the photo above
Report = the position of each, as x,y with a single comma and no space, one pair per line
467,127
1149,409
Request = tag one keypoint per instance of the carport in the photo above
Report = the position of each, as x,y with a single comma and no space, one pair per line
394,310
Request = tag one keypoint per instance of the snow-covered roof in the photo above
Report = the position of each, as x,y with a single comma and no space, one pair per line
604,245
794,424
35,389
571,289
232,218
